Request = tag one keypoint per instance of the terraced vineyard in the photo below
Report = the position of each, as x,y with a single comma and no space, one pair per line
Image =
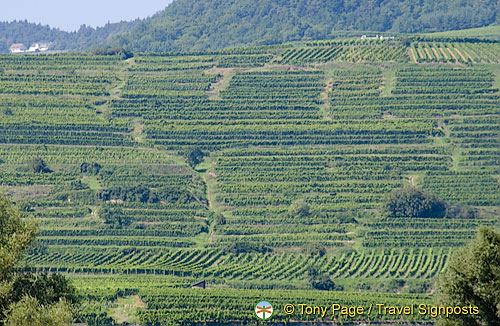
300,144
481,52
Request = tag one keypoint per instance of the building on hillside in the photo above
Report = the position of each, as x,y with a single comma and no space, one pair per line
17,48
39,47
199,285
35,47
377,37
44,46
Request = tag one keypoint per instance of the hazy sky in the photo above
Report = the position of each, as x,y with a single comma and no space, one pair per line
70,14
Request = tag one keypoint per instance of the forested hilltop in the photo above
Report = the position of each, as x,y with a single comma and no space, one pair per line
195,25
83,39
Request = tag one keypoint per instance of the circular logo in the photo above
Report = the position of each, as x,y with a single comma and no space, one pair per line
264,310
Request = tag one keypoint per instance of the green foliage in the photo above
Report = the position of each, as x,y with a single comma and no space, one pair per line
413,202
299,209
220,219
114,217
319,281
46,289
123,53
199,25
314,249
29,311
195,157
461,211
92,169
39,166
192,25
27,299
239,247
473,278
85,38
16,236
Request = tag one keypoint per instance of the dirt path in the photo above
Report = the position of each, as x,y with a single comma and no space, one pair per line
412,54
428,53
388,81
221,83
435,53
325,108
452,54
444,53
421,54
460,54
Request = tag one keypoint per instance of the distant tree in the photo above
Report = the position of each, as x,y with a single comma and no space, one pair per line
195,157
39,166
315,249
473,279
220,219
92,169
238,247
114,217
319,281
413,202
123,53
461,211
299,208
7,111
323,282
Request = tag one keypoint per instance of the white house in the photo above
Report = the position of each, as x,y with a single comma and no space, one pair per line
17,48
35,47
44,46
39,47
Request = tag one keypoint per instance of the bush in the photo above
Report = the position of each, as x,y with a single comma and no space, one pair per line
123,53
220,219
195,157
461,211
46,289
246,247
299,208
314,250
92,169
39,166
413,202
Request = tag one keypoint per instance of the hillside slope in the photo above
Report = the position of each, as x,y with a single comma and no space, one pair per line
194,25
188,25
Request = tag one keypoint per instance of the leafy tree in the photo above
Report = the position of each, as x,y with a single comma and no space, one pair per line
461,211
246,247
195,157
29,311
321,282
23,299
315,249
473,279
92,168
114,217
47,289
39,166
220,219
413,202
299,208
